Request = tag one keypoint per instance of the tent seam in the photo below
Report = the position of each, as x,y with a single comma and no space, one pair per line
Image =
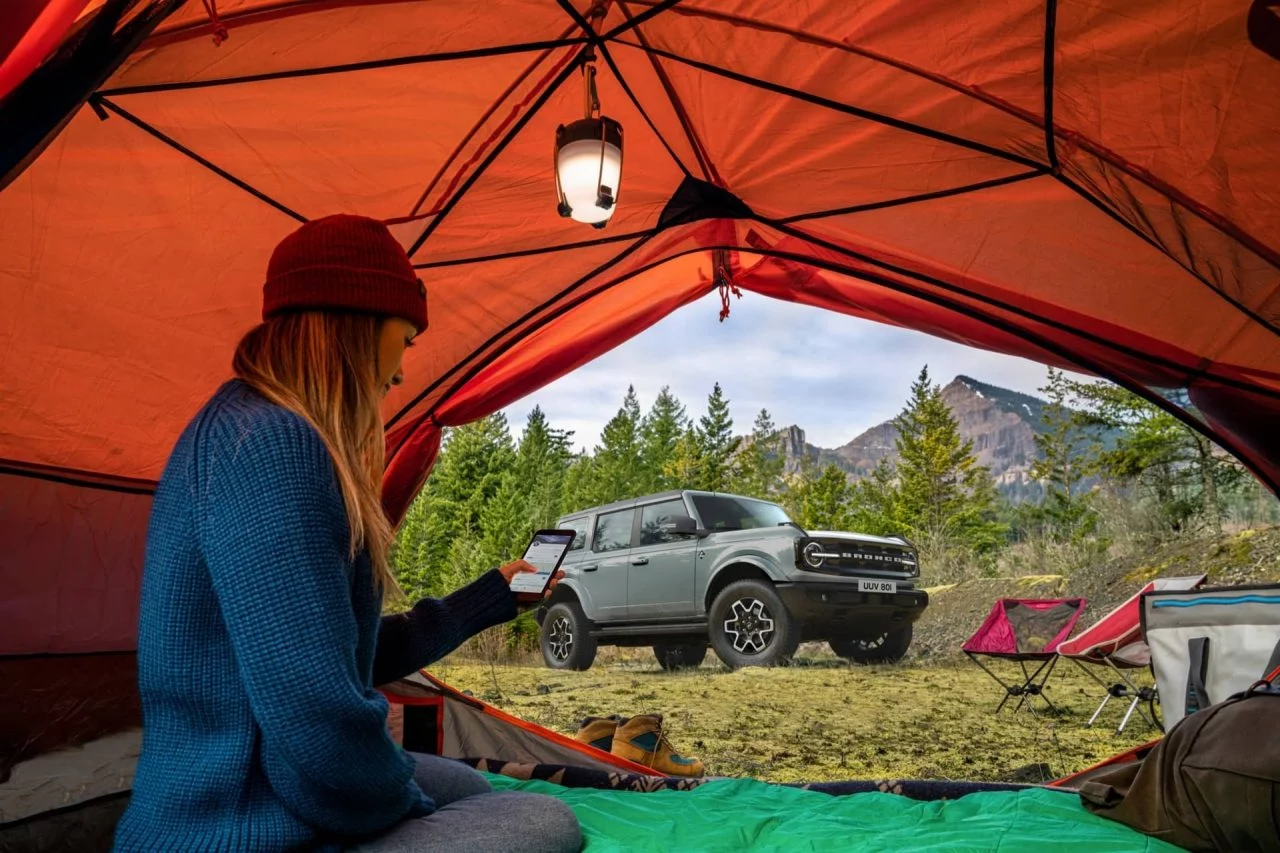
840,107
523,253
71,480
1050,48
346,68
1153,243
182,149
497,337
519,125
913,199
617,73
941,283
652,12
709,172
415,211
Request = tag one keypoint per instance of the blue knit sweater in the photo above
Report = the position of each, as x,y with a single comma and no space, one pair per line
259,643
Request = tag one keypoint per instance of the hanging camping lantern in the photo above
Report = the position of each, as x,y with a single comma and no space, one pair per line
589,160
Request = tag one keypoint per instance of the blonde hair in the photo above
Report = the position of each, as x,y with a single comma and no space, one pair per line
322,366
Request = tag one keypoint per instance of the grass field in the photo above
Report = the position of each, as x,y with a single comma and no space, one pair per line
821,719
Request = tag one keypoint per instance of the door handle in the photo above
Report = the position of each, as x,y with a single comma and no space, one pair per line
640,561
590,568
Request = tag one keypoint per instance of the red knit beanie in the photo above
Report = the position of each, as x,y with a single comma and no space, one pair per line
344,262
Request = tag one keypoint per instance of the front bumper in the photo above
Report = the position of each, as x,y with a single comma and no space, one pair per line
840,610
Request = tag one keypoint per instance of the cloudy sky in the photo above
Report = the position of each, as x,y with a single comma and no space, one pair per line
833,375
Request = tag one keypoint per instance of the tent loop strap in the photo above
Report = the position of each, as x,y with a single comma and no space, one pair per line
725,284
219,28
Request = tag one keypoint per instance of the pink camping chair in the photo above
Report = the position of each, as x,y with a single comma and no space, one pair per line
1026,631
1116,641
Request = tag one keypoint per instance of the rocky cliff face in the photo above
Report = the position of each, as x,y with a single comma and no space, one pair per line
1001,423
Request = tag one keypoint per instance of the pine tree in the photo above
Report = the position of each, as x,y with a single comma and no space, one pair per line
717,443
1175,467
542,459
684,469
446,516
943,494
874,504
825,503
505,523
660,432
617,465
1064,457
757,467
578,482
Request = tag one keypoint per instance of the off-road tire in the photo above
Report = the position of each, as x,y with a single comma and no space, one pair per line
680,655
889,647
749,626
565,637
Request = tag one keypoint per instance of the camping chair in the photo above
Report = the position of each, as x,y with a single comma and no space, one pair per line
1027,631
1115,641
1207,644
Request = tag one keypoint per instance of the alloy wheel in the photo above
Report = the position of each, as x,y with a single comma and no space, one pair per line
749,625
560,638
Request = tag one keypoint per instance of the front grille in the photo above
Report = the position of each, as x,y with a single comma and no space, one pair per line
847,557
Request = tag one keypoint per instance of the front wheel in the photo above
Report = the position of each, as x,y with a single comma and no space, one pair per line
565,637
749,626
889,647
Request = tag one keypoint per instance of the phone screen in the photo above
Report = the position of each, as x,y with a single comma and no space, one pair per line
544,553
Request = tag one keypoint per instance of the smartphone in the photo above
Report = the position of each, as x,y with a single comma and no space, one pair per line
545,553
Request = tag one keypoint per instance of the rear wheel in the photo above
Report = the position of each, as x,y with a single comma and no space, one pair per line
680,655
565,637
889,647
749,626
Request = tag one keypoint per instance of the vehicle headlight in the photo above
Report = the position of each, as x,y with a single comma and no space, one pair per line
813,555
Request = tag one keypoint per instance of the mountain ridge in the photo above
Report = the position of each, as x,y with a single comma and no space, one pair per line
1002,424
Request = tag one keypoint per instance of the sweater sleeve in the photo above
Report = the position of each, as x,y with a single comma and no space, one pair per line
274,536
436,626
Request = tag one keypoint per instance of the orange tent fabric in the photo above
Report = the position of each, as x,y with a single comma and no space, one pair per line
1091,183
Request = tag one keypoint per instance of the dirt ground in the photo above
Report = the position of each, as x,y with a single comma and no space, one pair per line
822,719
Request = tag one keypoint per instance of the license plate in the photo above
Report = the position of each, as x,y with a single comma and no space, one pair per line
877,586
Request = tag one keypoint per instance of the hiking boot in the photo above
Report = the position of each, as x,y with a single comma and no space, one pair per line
598,731
641,739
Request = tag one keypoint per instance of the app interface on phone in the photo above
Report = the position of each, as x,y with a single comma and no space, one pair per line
544,555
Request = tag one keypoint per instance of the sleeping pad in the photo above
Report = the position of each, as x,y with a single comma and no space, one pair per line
746,814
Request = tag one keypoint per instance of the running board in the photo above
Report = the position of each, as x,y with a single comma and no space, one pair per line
663,629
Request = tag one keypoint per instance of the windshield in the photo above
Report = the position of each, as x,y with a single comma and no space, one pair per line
722,512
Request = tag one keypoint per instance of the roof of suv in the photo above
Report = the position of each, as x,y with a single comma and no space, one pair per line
630,502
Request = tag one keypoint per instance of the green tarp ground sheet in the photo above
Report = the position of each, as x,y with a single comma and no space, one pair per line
745,814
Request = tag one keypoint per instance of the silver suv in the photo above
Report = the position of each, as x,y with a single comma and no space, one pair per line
679,570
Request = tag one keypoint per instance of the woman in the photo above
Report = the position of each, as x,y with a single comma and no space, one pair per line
260,639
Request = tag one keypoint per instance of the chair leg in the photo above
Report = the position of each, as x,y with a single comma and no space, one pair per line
1009,690
1093,719
1128,713
1033,684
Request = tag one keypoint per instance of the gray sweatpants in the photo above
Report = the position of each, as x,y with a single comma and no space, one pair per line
471,816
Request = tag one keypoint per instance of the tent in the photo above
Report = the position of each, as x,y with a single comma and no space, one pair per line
1089,184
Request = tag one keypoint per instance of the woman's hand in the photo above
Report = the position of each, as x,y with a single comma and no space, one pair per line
516,567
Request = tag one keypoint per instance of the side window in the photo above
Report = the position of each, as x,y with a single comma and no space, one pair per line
654,516
579,528
613,531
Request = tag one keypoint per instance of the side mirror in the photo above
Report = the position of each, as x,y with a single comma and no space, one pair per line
682,525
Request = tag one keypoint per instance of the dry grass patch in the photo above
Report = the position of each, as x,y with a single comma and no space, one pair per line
821,719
